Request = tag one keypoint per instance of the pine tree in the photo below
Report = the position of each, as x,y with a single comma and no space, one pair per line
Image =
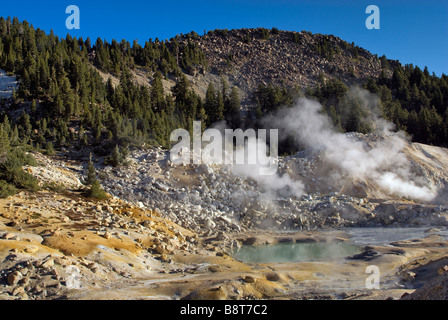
214,105
33,106
91,173
6,189
115,158
157,94
4,143
96,191
180,89
124,153
14,139
49,149
3,27
219,107
233,113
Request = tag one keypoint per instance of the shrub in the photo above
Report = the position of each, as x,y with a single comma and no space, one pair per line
6,189
91,174
20,179
118,157
49,149
11,170
96,191
55,187
264,34
18,158
221,32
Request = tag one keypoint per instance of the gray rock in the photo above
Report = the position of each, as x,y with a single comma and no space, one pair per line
161,187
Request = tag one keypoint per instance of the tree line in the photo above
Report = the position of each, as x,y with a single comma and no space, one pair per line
63,101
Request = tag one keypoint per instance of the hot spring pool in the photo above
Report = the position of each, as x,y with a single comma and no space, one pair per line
296,252
327,251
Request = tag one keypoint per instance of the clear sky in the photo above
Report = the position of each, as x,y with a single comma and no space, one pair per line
410,31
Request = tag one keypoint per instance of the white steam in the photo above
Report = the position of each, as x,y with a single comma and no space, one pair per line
384,164
259,158
271,184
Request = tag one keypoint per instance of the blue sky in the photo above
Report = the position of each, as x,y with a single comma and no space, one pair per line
411,31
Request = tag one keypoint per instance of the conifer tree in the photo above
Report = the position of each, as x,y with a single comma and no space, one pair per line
49,149
214,105
4,143
96,191
91,173
115,158
233,113
157,93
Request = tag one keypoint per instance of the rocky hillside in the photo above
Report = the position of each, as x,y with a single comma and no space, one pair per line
247,58
206,199
250,57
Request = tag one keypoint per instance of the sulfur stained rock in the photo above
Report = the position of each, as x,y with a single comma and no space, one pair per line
31,249
18,291
107,235
160,248
63,261
9,236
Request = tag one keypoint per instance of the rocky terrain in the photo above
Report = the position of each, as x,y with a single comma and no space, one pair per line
247,58
168,232
209,198
63,246
49,239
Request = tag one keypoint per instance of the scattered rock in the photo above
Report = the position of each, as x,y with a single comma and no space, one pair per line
48,263
442,270
368,254
273,276
408,275
107,235
63,261
9,236
14,277
31,249
18,290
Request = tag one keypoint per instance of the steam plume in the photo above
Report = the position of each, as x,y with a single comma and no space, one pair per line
384,164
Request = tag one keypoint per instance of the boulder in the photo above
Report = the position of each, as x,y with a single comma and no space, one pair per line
14,277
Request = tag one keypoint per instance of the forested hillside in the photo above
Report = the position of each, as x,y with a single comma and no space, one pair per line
63,101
